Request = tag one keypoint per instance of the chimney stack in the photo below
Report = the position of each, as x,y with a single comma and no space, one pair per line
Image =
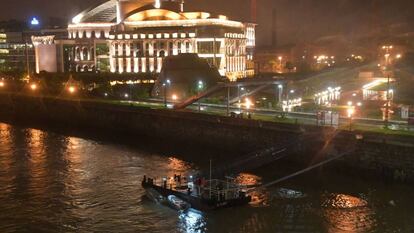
253,11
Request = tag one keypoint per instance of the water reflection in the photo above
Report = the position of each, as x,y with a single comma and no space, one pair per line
55,183
345,213
192,221
260,197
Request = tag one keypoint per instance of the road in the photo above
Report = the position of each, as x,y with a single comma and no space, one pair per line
275,115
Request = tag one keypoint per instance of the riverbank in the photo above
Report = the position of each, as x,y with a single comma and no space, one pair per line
390,156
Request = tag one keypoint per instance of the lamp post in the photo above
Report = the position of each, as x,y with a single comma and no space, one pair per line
239,95
200,88
280,90
387,98
350,115
248,104
167,82
287,99
350,111
387,104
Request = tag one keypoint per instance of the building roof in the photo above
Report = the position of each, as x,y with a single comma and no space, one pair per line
134,12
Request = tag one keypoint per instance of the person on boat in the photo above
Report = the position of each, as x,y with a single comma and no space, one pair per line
197,185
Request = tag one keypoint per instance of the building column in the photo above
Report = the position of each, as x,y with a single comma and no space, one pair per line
112,61
183,47
121,57
136,64
144,64
151,49
128,57
151,63
159,65
175,48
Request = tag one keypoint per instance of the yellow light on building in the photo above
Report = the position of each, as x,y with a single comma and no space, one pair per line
174,97
2,84
350,112
33,86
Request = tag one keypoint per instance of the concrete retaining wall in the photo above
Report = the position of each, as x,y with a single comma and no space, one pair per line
385,155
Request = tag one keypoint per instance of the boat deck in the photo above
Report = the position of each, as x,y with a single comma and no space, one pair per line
210,195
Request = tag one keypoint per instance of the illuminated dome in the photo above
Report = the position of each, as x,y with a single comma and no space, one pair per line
119,10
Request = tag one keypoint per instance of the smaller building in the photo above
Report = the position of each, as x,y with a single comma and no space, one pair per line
16,52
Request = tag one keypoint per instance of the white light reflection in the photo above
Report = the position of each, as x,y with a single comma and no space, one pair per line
192,221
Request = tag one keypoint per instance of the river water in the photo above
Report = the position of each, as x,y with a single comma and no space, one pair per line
50,182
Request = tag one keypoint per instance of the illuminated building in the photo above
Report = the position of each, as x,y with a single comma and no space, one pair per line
134,36
14,50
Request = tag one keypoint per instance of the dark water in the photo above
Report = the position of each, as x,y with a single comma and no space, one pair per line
55,183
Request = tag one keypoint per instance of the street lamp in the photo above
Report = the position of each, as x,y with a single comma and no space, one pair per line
248,103
239,97
200,85
280,87
290,92
350,112
33,86
387,63
167,82
72,89
200,88
287,99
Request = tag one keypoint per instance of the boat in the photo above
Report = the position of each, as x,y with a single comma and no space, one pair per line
177,203
198,193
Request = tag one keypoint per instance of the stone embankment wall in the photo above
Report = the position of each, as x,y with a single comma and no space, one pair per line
385,155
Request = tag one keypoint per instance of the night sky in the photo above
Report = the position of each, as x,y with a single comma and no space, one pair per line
297,20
